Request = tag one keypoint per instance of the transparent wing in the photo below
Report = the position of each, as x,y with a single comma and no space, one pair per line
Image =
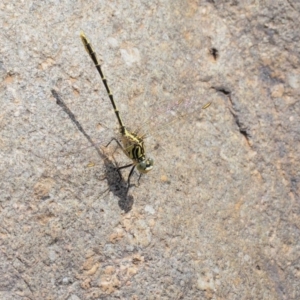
164,114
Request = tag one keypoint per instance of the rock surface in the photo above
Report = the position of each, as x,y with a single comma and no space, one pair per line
219,215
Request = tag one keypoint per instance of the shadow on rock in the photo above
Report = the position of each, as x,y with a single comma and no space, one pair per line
116,184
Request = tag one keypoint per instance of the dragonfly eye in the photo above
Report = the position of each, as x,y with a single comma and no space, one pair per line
145,166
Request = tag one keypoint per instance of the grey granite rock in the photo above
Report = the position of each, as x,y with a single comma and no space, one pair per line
217,218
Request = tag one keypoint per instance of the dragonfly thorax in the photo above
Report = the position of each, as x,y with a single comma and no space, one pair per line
134,148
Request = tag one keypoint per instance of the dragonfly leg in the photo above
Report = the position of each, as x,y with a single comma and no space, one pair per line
129,176
114,139
139,178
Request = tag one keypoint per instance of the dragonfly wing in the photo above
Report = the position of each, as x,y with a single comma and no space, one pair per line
166,113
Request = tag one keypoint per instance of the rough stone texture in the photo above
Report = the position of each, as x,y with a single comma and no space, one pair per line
218,217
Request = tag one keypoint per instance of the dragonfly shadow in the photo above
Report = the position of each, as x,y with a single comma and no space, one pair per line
116,184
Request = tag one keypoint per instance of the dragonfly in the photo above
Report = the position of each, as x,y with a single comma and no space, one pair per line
132,142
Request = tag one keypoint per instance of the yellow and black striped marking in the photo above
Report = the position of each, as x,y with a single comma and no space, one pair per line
131,143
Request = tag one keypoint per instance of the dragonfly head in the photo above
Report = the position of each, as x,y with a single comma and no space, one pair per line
145,165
